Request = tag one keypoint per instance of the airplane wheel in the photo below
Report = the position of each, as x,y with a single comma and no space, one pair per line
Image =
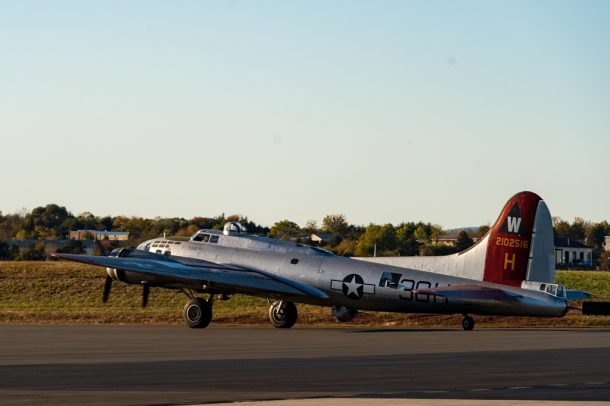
197,313
468,323
283,314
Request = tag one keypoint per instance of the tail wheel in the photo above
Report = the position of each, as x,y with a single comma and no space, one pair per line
283,314
197,313
467,323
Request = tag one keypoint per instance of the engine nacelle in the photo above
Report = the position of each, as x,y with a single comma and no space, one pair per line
343,314
129,276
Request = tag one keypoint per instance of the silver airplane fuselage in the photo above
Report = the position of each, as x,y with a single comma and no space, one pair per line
349,282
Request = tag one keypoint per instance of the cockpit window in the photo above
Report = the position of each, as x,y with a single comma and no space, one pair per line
202,237
214,239
553,289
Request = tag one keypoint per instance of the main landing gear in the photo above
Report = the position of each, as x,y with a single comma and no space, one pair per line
467,322
198,312
283,314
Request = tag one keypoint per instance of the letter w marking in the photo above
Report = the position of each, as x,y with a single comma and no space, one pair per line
513,224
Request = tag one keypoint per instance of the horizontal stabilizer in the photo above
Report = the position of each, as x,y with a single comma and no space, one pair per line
470,293
577,295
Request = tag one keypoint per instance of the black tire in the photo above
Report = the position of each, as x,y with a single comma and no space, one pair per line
197,313
283,314
467,323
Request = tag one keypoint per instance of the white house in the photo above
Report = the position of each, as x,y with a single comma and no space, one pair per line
570,252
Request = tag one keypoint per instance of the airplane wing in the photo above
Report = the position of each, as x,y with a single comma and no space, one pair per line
470,293
230,278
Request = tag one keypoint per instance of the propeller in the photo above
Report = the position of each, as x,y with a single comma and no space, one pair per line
145,293
107,287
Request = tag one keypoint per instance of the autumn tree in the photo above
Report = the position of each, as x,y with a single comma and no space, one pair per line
482,230
346,248
561,227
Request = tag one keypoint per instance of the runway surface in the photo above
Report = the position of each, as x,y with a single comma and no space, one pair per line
174,364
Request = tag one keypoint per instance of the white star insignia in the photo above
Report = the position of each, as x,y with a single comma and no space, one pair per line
352,287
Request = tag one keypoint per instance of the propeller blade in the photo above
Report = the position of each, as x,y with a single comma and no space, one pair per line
107,287
145,293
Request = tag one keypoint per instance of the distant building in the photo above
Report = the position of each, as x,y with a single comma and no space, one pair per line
321,238
569,252
99,235
607,243
440,242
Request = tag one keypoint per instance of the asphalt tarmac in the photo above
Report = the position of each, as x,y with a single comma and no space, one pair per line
109,364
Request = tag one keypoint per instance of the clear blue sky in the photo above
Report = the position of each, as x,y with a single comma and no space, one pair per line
385,111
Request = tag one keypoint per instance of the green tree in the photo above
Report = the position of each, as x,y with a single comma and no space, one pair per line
73,247
35,253
421,233
87,221
383,238
577,229
46,222
13,252
596,234
408,247
14,223
311,227
335,224
435,231
463,241
4,251
284,230
106,222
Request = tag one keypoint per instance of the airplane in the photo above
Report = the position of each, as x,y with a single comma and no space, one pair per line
509,272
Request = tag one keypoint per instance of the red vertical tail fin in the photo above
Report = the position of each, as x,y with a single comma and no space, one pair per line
510,239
